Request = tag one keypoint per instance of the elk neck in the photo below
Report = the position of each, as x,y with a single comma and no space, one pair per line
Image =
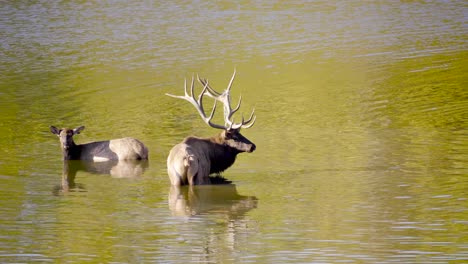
222,155
72,152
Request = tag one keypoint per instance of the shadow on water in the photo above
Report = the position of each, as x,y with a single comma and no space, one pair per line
203,199
114,168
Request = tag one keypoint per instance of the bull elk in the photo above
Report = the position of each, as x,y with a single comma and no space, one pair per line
114,149
194,159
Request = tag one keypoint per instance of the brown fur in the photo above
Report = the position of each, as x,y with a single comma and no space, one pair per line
128,148
194,159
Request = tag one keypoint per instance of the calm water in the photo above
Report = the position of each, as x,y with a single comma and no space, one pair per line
361,132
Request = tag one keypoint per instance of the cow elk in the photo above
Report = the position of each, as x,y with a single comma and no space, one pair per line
114,149
194,159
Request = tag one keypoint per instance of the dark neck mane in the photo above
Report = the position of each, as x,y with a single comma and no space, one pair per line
221,155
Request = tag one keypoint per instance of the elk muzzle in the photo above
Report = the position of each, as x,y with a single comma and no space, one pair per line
252,148
235,140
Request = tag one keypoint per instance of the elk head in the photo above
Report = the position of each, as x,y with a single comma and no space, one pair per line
230,135
66,135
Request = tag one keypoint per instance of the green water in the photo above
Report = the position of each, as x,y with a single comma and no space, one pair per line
361,131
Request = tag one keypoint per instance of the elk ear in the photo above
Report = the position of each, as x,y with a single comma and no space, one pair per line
55,130
78,129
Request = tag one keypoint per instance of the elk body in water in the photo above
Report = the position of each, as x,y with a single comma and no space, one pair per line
194,159
114,149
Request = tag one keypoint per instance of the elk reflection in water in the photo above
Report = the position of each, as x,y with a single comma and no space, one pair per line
201,199
114,168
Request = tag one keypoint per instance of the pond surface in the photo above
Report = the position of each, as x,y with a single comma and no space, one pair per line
361,131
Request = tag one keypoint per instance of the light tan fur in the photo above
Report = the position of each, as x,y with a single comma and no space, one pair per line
188,165
128,148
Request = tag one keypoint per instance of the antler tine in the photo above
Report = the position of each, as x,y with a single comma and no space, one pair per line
250,120
187,96
211,92
199,107
245,124
222,97
230,82
200,97
232,125
198,103
192,87
226,99
237,107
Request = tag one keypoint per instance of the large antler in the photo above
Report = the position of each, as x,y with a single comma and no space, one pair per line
225,98
198,103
